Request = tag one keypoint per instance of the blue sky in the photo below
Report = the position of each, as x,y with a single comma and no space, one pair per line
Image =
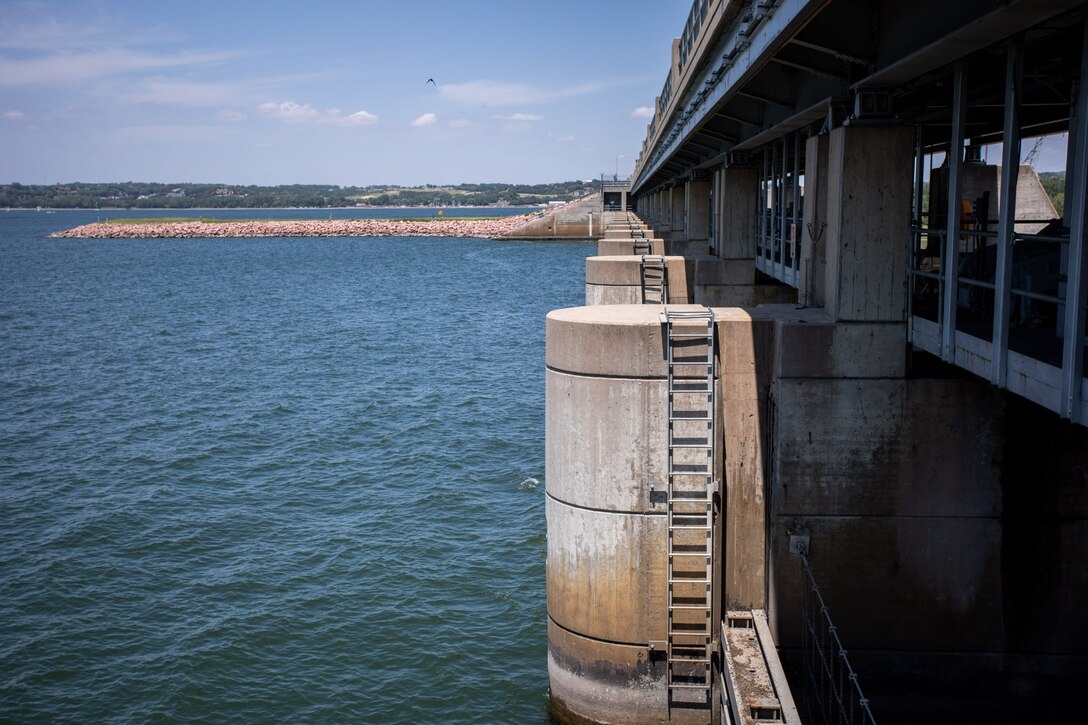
328,92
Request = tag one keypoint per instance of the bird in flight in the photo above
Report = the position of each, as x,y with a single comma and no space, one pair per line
431,81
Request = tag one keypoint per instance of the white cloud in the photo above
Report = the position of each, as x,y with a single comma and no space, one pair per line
642,112
13,115
520,117
69,67
495,93
427,119
231,116
565,138
359,118
291,112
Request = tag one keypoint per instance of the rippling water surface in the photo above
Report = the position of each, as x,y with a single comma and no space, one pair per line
273,479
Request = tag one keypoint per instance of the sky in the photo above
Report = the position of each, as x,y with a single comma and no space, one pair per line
322,92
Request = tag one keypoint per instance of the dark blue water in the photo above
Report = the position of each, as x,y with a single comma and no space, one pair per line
273,479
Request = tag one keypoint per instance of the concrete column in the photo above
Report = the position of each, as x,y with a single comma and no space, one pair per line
677,217
606,465
664,211
697,209
730,279
617,280
811,279
868,222
736,235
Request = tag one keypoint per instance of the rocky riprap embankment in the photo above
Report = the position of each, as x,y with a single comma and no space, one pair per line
487,228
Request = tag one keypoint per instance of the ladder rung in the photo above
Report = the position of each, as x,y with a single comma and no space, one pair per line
703,660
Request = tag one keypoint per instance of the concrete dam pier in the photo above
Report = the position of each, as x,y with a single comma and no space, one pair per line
816,445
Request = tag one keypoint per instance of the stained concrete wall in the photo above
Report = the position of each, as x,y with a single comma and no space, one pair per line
812,274
678,214
868,204
617,280
580,219
946,518
697,210
606,503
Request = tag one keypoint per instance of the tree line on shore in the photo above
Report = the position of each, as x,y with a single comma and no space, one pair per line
137,195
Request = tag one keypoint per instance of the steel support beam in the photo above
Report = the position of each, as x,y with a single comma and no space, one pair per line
1077,288
951,258
832,52
773,32
1006,225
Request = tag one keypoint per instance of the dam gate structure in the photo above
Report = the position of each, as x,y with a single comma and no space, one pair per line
874,212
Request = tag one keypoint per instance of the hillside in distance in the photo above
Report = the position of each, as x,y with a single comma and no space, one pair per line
136,195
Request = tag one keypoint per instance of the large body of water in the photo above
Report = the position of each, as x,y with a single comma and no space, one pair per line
273,480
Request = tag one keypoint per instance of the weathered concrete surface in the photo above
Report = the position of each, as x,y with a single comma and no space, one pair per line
605,467
619,452
624,341
812,346
738,195
745,363
624,231
686,247
621,683
617,280
580,219
868,217
743,295
677,214
697,208
626,247
732,283
812,274
606,573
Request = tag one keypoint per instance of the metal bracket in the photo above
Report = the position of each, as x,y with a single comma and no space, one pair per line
799,544
740,158
873,105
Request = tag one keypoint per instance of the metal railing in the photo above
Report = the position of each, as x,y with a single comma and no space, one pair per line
832,693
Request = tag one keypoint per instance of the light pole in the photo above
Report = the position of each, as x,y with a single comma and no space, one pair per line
616,177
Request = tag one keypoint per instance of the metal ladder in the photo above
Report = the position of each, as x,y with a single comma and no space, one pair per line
654,276
642,244
690,337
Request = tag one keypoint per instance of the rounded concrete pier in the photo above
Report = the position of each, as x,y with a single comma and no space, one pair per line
617,280
606,457
626,246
